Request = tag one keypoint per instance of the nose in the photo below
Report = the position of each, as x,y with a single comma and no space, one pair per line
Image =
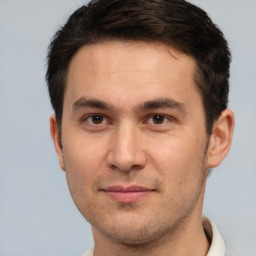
126,151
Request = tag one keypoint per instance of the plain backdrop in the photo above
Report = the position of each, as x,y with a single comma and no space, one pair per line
37,215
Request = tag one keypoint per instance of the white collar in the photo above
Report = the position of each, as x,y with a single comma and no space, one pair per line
217,247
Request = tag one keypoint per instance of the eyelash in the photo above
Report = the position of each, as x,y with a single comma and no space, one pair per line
163,119
86,118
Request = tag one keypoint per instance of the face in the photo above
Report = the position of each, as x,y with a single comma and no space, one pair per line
134,143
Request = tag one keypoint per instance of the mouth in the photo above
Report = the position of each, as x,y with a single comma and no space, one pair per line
129,194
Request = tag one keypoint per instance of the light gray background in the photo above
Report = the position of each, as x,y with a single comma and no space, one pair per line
37,215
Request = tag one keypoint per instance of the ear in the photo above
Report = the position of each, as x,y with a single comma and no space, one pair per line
56,140
221,138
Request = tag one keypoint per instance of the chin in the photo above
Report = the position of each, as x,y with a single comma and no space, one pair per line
134,238
134,234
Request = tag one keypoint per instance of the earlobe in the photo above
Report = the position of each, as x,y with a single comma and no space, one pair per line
221,138
56,140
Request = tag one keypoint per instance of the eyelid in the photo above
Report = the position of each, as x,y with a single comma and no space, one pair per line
107,121
167,119
86,117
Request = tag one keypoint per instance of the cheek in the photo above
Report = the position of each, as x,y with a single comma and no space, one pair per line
174,153
83,153
83,160
80,175
180,166
178,161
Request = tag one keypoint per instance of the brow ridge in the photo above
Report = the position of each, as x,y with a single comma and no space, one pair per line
158,103
84,102
163,103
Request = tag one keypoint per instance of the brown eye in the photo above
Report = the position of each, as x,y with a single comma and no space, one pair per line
158,119
96,119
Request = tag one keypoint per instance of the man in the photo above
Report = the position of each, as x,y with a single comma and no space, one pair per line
140,91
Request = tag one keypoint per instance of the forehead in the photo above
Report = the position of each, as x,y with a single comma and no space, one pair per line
129,68
123,54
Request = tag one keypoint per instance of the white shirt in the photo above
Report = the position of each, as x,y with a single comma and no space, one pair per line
217,247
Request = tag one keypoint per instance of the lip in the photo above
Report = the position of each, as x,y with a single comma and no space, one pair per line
129,194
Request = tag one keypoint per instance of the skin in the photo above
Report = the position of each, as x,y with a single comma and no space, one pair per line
133,115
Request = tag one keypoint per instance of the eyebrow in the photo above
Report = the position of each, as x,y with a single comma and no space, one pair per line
160,103
91,103
163,103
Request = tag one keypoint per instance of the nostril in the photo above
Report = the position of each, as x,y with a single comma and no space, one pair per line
127,169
